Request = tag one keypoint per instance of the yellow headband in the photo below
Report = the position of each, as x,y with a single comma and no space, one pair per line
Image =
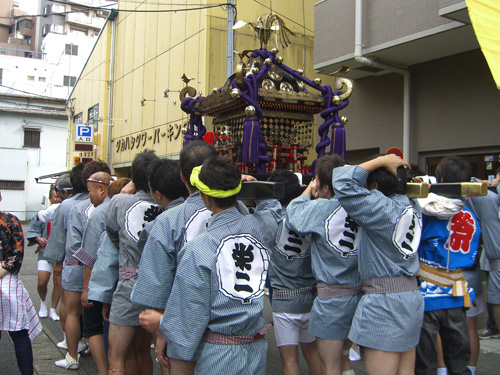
195,181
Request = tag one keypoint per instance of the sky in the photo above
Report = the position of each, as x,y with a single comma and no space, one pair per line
30,6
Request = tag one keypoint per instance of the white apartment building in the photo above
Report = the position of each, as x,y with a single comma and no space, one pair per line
33,143
34,86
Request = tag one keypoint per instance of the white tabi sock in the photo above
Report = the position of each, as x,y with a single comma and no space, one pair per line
442,371
472,369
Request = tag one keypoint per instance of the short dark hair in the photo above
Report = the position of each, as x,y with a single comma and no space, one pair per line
324,169
193,155
291,182
414,171
140,168
52,188
222,174
453,169
387,183
165,177
92,167
76,179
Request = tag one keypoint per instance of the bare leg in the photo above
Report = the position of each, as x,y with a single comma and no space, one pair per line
43,280
407,363
378,362
142,342
132,364
496,313
311,355
96,344
330,352
289,355
120,344
178,367
72,326
346,362
474,340
57,280
56,293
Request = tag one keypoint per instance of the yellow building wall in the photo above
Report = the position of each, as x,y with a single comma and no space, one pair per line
154,49
92,88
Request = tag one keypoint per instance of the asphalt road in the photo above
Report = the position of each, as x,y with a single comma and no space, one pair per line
45,352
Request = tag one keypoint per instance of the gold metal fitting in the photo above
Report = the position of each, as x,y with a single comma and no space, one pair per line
300,71
255,70
317,81
215,90
268,61
250,110
184,130
336,99
274,51
279,59
235,93
344,119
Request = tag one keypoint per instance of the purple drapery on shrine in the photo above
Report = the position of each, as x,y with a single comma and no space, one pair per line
196,128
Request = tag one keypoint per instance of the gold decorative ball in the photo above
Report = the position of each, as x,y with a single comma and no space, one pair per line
317,81
344,119
274,51
336,99
279,59
184,130
255,70
300,71
268,61
250,110
235,93
215,90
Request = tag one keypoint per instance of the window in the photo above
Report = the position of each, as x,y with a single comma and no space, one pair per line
41,79
31,138
69,81
57,8
94,116
57,28
1,74
71,49
25,23
31,78
11,185
78,119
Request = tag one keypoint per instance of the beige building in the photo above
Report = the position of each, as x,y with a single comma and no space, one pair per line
421,82
129,89
17,31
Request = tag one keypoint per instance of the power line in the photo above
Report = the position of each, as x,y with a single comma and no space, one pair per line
29,93
221,5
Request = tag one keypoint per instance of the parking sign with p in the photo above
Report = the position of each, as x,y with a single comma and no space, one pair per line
84,134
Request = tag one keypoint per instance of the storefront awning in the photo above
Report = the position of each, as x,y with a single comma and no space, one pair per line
485,17
49,178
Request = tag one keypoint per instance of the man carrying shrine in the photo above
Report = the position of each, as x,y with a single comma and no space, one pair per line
214,321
